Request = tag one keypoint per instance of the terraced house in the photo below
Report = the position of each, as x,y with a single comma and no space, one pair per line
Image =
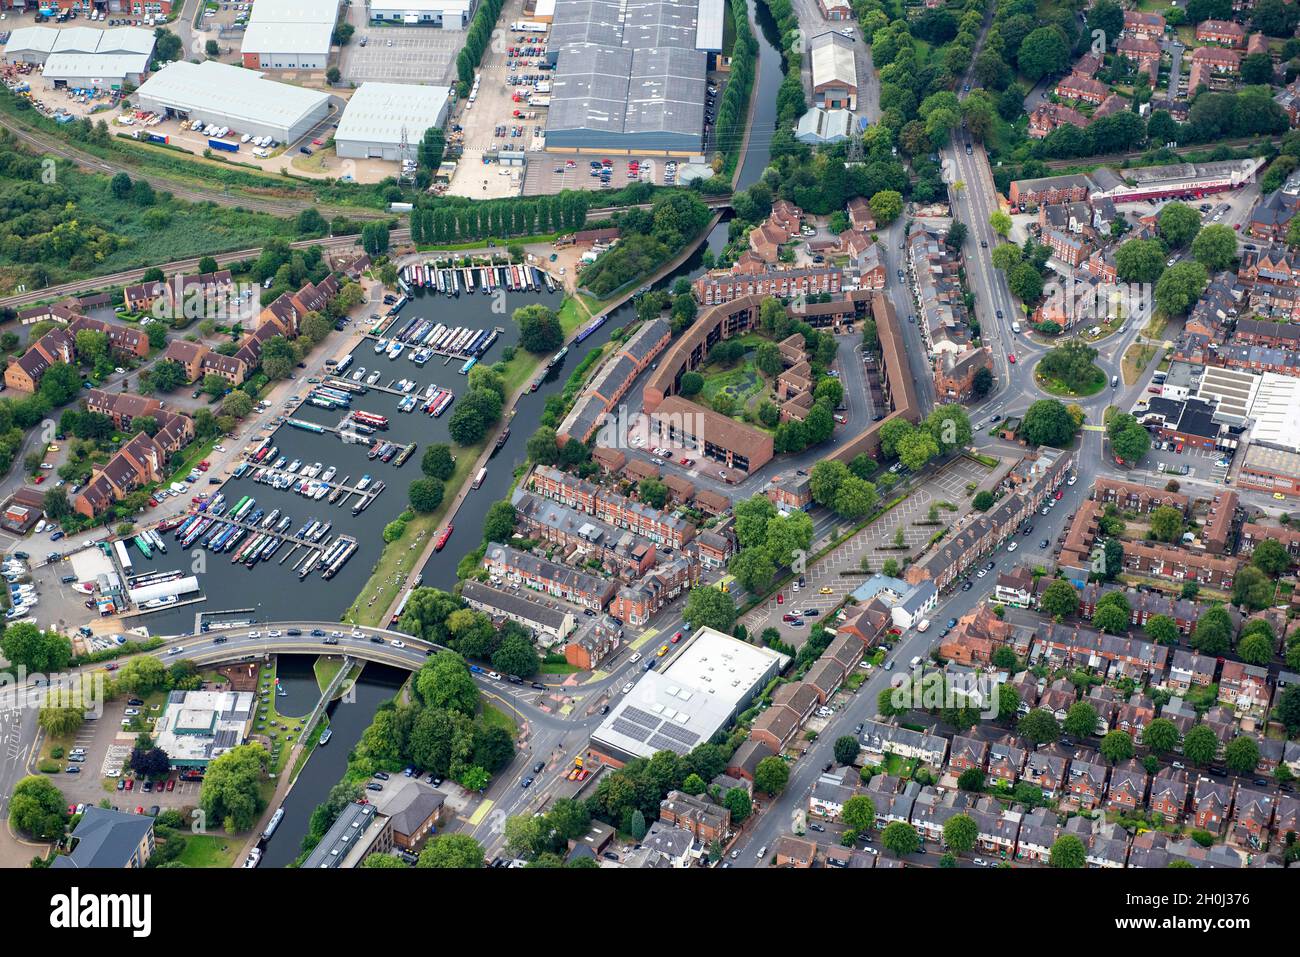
658,525
138,463
979,534
520,568
24,372
613,381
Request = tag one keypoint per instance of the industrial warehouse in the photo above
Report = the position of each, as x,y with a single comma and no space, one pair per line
289,34
630,77
445,14
380,117
232,96
84,56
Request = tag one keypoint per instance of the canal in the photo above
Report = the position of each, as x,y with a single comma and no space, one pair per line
349,719
274,592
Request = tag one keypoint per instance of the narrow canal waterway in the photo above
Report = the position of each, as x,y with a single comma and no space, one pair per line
273,591
325,768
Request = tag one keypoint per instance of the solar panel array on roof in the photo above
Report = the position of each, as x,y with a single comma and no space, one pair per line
634,731
661,743
640,717
628,75
680,735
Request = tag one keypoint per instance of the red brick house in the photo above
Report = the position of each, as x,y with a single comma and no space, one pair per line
1082,88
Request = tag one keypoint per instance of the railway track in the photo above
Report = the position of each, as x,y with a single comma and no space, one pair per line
193,194
398,237
1117,158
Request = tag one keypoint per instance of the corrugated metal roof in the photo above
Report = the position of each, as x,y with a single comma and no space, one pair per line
709,25
627,70
378,112
272,37
833,60
103,66
230,90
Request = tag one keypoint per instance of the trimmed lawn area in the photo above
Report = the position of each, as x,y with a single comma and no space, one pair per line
557,669
326,668
398,558
573,314
494,717
210,850
282,737
1056,387
1136,358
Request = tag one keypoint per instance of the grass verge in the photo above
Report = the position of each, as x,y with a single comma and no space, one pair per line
398,558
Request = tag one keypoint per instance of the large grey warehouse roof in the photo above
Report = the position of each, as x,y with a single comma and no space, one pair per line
627,75
80,40
378,112
231,90
101,66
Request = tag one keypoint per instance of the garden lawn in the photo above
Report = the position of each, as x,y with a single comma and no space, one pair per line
494,717
209,850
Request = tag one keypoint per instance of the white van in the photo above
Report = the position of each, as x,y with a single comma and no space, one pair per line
1015,327
914,662
924,625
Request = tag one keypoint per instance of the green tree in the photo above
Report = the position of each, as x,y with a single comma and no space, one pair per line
1213,632
426,494
846,749
1215,246
1059,600
1081,720
444,682
1252,589
1256,649
1178,224
1161,736
1112,613
1068,851
539,328
1241,755
900,838
1166,523
1140,260
1180,286
1047,422
1200,745
1269,556
1042,52
1117,746
771,774
24,645
458,851
1039,727
36,808
886,206
738,802
960,833
711,608
859,813
231,789
438,462
1162,629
